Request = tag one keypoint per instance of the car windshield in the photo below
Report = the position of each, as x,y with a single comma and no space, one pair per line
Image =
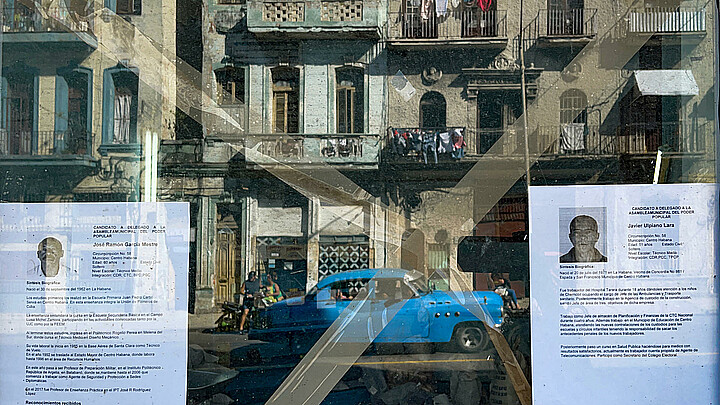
420,285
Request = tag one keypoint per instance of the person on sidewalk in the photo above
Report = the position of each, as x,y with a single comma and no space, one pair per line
249,289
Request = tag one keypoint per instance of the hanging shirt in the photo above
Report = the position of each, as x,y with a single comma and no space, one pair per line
485,4
441,7
425,11
444,143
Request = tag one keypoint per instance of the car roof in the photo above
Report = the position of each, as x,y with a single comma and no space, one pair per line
368,273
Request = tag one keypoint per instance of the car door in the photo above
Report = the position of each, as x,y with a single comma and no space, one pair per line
398,314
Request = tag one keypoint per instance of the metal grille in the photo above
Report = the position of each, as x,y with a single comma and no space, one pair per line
348,10
336,258
284,11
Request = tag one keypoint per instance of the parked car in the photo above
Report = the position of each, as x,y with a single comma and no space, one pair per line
383,306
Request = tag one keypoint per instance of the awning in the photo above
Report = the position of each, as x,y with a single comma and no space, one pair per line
666,83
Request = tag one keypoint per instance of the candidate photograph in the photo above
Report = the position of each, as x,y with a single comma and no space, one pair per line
49,254
584,236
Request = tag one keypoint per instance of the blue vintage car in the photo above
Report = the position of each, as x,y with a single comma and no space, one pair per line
383,306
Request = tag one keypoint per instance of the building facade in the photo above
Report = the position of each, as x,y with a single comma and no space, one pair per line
347,134
80,91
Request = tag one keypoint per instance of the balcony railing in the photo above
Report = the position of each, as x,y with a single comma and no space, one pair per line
44,143
570,22
355,149
469,22
426,145
485,141
638,138
587,140
54,19
667,21
668,136
348,17
480,24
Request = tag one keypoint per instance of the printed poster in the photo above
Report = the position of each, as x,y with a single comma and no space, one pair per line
625,294
93,300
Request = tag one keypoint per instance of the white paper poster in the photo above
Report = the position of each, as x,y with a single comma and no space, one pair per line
624,289
93,300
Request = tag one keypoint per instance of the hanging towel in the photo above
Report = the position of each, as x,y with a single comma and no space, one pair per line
572,137
485,4
455,4
444,143
441,7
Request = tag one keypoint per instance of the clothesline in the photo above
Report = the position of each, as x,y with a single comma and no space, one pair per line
428,143
441,6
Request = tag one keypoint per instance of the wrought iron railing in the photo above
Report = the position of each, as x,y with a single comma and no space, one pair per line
636,138
505,142
309,148
468,22
567,22
483,24
45,143
39,19
667,20
588,140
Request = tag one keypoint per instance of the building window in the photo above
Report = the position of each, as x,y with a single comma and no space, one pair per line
230,85
573,106
350,100
128,7
18,112
432,110
120,106
573,120
73,115
438,256
286,95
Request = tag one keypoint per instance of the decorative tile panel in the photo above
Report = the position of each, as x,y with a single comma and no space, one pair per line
346,10
280,11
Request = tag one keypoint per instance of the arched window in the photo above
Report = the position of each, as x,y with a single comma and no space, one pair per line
349,96
120,105
286,96
573,107
573,119
432,110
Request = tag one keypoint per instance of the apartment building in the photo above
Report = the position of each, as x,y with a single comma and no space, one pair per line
80,91
341,134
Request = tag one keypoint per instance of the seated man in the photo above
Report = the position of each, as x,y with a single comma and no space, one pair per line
250,290
502,288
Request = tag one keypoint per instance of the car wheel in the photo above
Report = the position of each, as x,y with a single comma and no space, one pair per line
471,339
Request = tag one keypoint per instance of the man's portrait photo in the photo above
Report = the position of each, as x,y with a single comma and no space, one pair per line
49,253
584,234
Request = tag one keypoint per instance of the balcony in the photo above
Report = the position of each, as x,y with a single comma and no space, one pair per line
582,140
45,148
687,23
566,26
332,18
426,145
468,27
24,25
359,151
